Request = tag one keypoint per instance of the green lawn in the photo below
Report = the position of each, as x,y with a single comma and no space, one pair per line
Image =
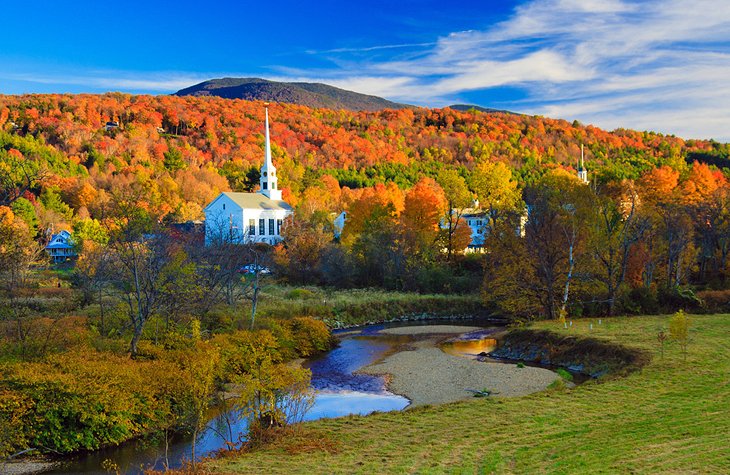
671,417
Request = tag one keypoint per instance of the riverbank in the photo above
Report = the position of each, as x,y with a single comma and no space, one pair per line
26,467
668,417
358,307
427,375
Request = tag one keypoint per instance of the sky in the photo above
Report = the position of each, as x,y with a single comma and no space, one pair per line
661,65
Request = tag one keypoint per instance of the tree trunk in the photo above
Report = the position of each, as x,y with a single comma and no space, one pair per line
135,341
102,328
254,299
571,265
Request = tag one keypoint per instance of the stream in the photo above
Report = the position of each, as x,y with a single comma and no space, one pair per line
338,392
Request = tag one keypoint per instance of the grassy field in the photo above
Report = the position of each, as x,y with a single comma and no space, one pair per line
671,417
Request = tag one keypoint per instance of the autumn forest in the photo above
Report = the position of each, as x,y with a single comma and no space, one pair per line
649,233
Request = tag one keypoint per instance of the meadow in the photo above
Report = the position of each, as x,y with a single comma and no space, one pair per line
669,417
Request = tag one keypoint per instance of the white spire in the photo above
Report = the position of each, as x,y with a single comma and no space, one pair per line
269,180
582,172
268,163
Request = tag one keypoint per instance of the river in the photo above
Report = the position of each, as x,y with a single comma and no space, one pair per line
338,392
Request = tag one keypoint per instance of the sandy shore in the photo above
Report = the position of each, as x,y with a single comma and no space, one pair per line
426,375
25,467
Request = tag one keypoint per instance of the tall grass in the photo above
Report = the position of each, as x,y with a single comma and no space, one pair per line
342,308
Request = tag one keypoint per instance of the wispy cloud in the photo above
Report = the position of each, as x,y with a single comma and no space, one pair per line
660,65
652,64
367,49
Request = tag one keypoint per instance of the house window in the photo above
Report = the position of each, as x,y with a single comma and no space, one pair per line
273,185
278,227
264,173
262,227
271,227
265,185
479,222
251,227
224,206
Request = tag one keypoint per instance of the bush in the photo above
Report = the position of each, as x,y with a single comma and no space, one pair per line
300,294
310,336
444,280
715,301
641,301
678,298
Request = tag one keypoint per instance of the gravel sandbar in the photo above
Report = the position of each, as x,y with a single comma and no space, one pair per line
426,375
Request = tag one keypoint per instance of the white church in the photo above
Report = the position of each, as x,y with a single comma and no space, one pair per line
249,217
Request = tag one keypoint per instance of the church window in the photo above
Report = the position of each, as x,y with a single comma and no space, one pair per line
265,185
264,173
251,227
271,227
273,185
262,227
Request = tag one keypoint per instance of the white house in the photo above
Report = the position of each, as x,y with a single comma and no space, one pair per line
339,224
477,220
249,217
61,247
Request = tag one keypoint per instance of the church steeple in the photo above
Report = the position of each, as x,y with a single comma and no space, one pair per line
582,172
268,180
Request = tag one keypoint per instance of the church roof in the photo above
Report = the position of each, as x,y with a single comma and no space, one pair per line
256,200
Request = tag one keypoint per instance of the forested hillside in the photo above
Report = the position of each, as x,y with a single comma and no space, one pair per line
179,152
310,94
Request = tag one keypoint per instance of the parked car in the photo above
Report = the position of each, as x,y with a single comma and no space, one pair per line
253,268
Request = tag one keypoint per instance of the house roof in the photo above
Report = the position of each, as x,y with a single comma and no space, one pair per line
61,240
255,200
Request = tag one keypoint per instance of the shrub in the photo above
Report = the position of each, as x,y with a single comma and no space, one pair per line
715,301
310,336
641,300
300,294
676,298
679,329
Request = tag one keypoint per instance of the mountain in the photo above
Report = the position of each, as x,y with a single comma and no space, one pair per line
468,107
302,93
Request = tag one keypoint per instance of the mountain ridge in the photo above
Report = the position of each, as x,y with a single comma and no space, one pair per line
315,95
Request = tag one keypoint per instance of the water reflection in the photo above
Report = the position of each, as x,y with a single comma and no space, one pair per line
469,348
338,392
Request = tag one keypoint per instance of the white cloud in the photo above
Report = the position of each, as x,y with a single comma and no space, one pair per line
653,64
659,65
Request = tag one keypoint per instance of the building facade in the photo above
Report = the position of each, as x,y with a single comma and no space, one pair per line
61,247
249,217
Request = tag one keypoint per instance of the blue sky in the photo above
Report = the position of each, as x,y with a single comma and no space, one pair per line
650,65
